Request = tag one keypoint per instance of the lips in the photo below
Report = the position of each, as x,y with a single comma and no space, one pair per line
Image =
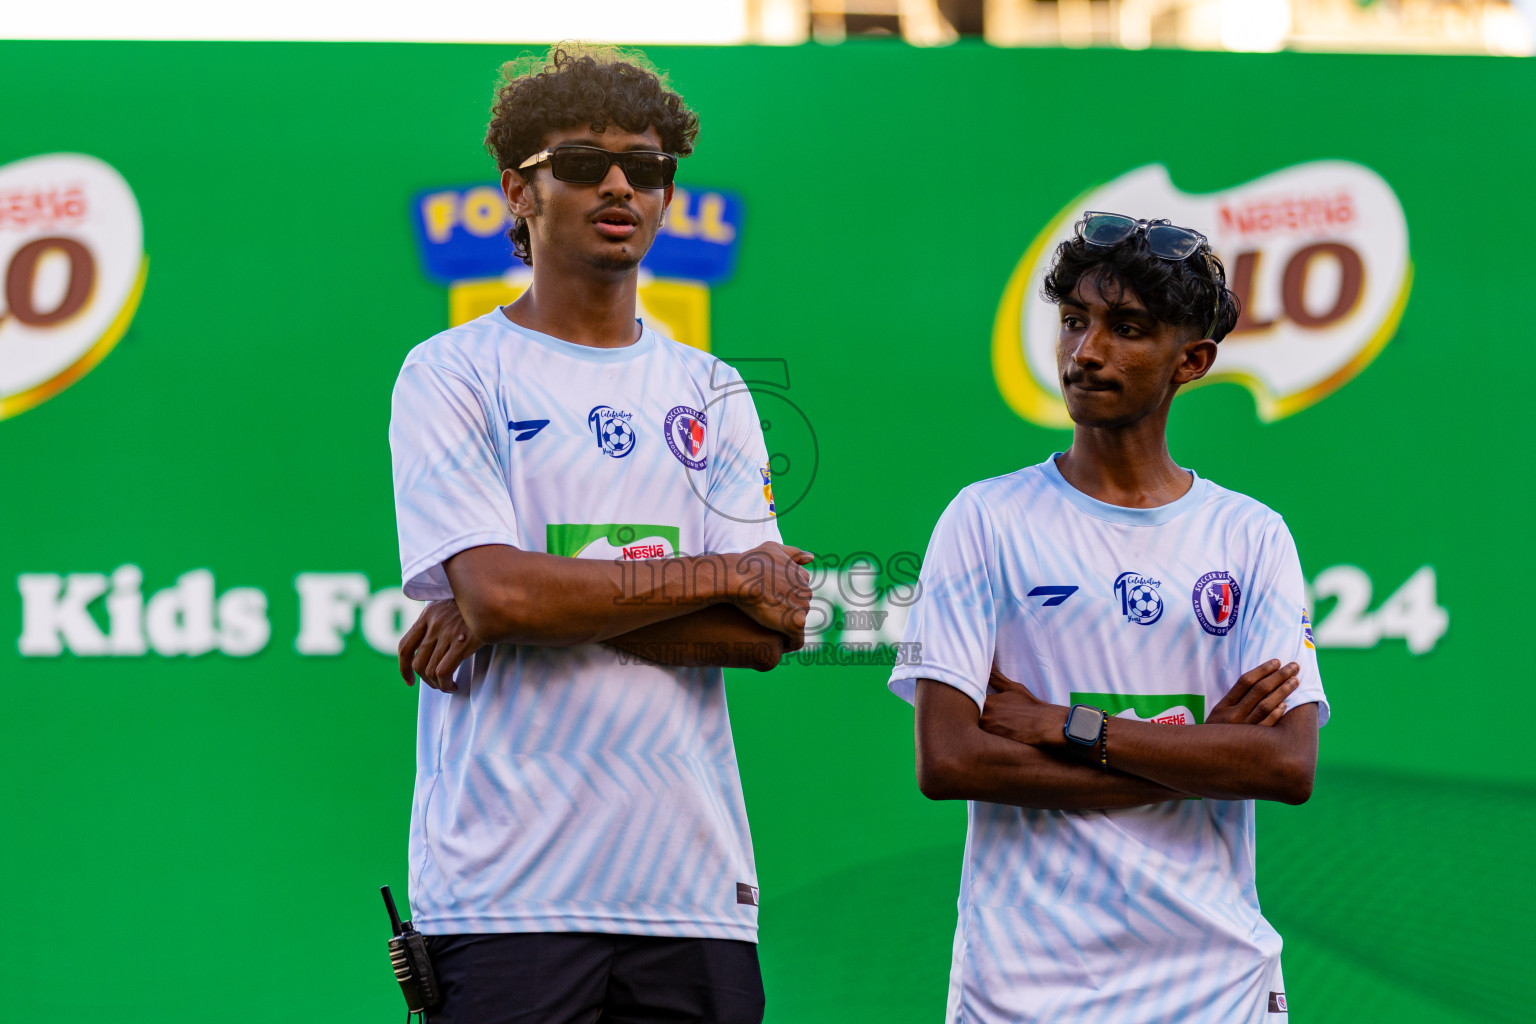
616,223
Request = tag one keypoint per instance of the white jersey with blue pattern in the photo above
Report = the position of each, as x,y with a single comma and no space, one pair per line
1137,916
563,789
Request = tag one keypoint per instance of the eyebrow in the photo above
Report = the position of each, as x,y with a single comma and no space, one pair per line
1119,309
587,140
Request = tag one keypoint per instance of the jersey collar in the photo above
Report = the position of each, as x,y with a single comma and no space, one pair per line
1119,513
583,352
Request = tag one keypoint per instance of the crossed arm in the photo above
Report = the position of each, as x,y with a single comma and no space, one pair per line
740,610
1014,752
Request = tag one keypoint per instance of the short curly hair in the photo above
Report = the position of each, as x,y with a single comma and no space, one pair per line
577,84
1183,292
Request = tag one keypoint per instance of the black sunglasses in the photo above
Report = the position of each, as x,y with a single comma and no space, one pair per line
588,165
1165,240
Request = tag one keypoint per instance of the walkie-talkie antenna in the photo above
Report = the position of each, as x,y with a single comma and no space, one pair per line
394,915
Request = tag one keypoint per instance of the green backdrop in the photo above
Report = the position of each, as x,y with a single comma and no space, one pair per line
202,838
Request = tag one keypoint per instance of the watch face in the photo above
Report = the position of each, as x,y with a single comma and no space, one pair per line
1083,724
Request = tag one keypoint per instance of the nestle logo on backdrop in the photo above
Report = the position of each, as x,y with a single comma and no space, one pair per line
1318,213
1317,253
72,269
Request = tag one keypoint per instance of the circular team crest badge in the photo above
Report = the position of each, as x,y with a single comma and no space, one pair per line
1216,598
684,428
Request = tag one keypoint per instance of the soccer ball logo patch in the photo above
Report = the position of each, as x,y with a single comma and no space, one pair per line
1139,600
613,429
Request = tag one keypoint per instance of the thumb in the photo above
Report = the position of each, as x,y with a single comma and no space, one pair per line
1002,683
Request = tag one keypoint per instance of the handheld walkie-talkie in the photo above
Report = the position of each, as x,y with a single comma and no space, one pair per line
408,956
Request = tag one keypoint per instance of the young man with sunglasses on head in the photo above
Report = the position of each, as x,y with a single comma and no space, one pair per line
1074,612
579,845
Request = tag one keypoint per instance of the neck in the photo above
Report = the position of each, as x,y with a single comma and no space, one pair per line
578,305
1126,466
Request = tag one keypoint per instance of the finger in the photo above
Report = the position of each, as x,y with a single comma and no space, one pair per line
1245,683
408,644
799,556
1003,683
421,661
447,660
1267,706
1262,689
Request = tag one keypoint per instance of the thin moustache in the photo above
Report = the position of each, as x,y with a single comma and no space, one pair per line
615,208
1097,385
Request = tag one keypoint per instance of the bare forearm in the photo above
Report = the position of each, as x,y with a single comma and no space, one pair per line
1004,772
958,760
721,635
524,597
1225,762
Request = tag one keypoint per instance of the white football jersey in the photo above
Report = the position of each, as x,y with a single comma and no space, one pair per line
563,789
1137,916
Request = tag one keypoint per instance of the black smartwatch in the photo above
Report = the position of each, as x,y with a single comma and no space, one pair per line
1084,724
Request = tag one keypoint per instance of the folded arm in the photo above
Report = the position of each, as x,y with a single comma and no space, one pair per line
958,760
721,635
1251,747
745,608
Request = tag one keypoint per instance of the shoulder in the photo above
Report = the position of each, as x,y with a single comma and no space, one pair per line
709,372
985,503
1243,512
461,351
1004,497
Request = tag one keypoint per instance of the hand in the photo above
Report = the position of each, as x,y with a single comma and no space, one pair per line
435,645
1014,713
769,584
1259,696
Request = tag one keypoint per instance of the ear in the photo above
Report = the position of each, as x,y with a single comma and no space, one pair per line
518,192
666,201
1195,360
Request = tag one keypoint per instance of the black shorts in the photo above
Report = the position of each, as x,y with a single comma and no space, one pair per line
581,978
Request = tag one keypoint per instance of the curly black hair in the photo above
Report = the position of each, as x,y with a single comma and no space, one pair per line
1183,292
581,85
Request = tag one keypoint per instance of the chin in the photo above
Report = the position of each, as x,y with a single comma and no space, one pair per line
621,262
1102,415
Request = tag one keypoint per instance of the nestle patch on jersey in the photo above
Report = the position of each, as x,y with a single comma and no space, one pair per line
1163,709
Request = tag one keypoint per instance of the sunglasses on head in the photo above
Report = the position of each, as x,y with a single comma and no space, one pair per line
588,165
1164,240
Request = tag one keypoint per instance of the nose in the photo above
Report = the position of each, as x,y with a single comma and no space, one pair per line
614,184
1091,348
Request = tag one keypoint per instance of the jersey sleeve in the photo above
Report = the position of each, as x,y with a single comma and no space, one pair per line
1278,621
738,486
450,491
951,632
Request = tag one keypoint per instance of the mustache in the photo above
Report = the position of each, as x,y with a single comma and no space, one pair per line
1083,379
616,205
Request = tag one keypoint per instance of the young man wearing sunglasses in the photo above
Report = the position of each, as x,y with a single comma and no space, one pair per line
579,845
1071,614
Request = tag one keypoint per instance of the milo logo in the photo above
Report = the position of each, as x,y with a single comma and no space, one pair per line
1163,709
622,541
1317,253
72,267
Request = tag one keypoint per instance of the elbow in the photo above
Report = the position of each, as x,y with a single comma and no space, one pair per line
936,776
1296,779
765,656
